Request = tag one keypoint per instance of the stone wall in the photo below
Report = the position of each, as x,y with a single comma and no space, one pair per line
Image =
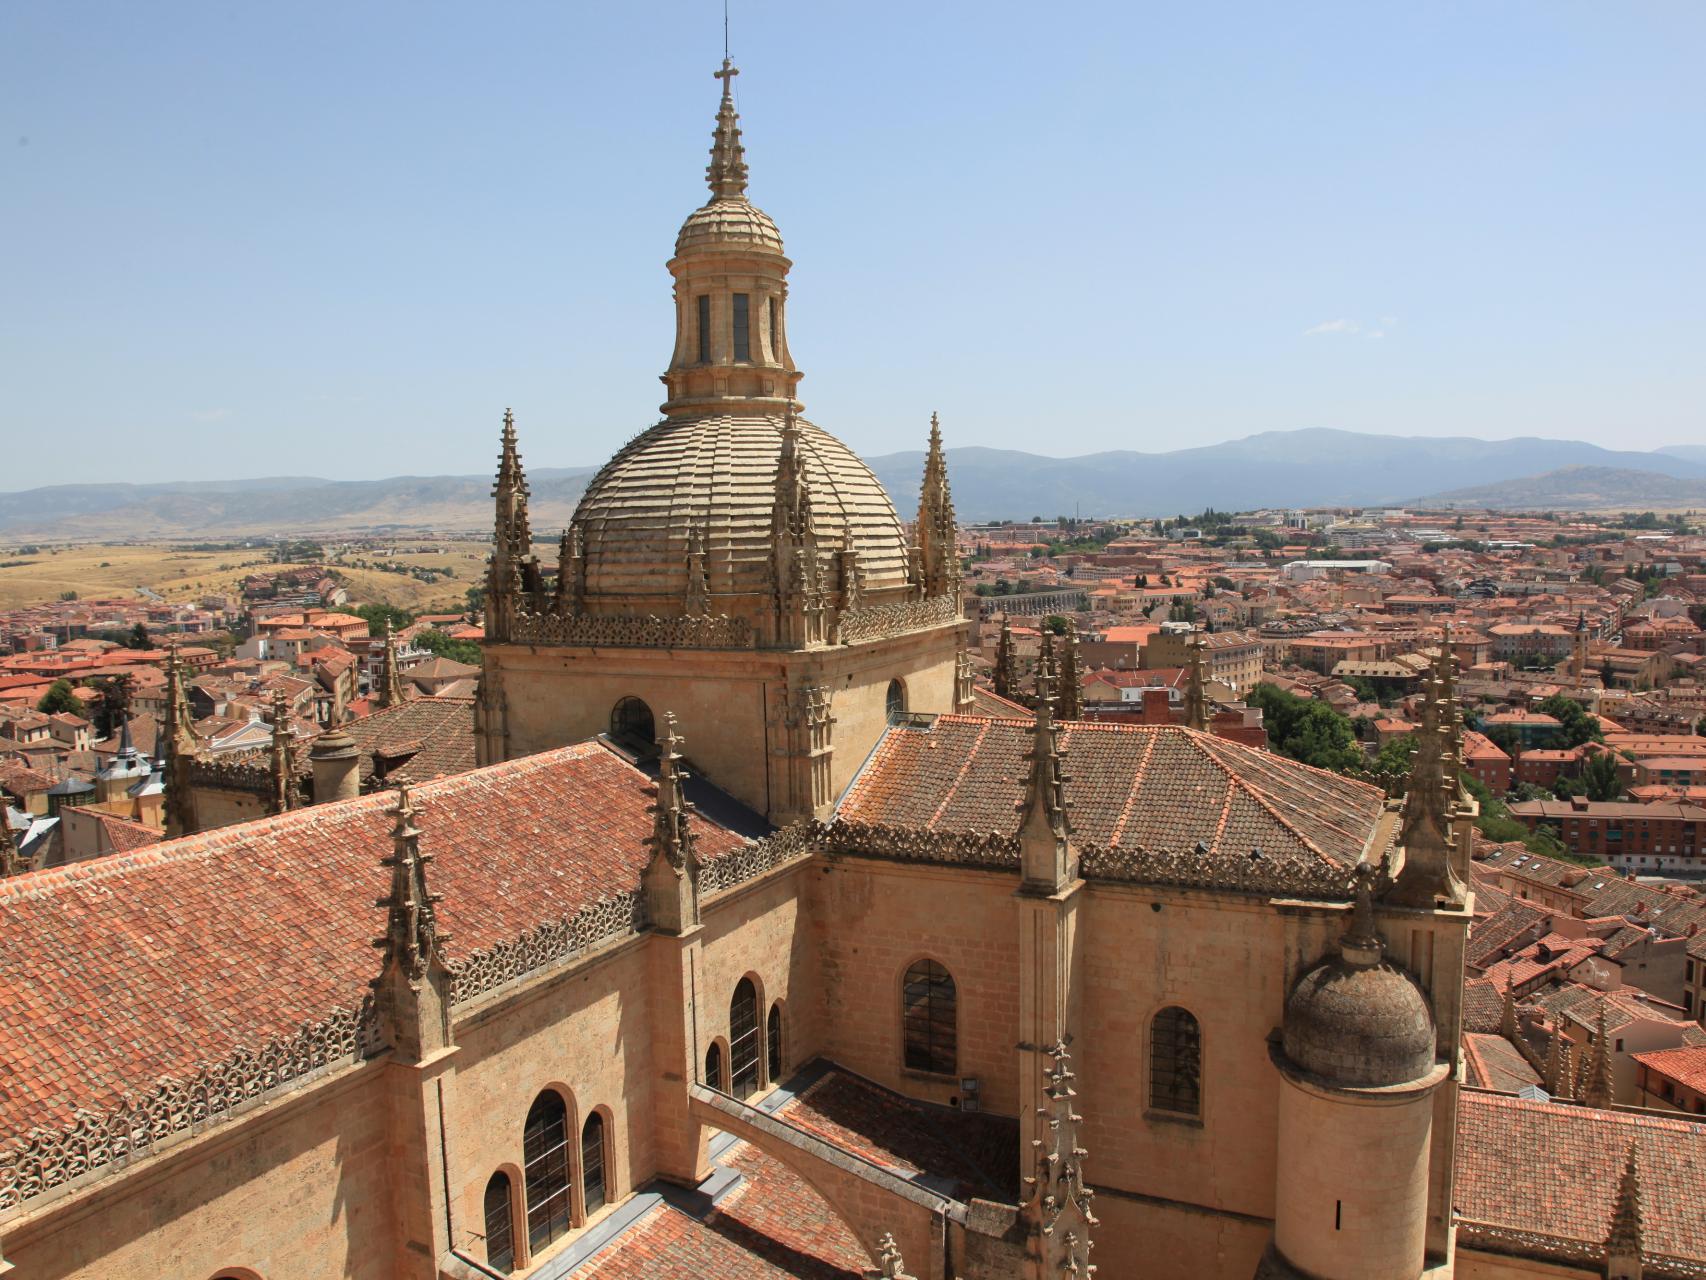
298,1188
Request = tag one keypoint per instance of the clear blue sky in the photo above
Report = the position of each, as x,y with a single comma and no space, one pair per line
337,239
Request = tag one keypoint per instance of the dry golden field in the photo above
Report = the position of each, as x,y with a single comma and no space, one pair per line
115,569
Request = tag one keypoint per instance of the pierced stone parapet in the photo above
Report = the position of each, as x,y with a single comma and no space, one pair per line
753,859
908,844
95,1141
880,621
1490,1238
554,943
615,631
247,772
1188,868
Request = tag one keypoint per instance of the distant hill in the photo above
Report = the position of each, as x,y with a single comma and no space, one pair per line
1688,452
1579,489
1274,469
219,509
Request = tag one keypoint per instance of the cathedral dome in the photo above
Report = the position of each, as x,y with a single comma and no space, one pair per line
706,487
734,223
1360,1024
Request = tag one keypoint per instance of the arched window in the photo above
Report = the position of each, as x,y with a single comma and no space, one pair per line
743,1039
545,1145
929,1012
1175,1062
773,1041
632,725
500,1225
896,699
592,1164
714,1067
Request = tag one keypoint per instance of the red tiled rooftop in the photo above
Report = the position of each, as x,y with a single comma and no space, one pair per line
1131,786
771,1227
1686,1066
1552,1169
153,962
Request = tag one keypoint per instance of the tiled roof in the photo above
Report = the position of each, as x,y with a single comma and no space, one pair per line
1686,1066
149,963
772,1226
1552,1169
1495,1063
437,734
1515,926
1131,786
986,702
125,835
977,1152
1483,1006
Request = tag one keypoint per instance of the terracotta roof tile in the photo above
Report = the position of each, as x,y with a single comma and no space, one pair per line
1687,1066
1131,786
153,962
1552,1169
771,1227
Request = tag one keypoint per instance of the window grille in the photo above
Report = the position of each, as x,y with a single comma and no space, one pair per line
929,1007
1175,1062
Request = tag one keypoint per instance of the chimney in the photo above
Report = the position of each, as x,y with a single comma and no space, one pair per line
336,762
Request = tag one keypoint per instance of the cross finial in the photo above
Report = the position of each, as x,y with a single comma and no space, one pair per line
727,75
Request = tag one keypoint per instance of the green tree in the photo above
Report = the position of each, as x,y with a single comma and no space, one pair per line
1055,623
139,638
1599,777
1306,729
1577,726
377,615
59,699
1395,754
440,645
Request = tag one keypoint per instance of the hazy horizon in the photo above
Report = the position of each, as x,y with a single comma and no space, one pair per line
337,243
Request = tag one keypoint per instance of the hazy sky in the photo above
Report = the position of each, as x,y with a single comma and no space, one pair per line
338,238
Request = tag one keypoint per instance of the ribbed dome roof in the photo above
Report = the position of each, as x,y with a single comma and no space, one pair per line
1364,1025
715,476
733,222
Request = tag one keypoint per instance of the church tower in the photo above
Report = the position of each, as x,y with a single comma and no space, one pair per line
734,564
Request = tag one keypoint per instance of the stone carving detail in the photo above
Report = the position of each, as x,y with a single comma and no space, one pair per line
613,631
247,772
1297,878
965,849
47,1159
1534,1244
756,857
879,621
553,943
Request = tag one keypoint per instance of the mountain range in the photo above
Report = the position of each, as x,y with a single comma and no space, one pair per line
1313,467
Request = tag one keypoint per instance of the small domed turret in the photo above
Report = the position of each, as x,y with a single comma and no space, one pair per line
1359,1020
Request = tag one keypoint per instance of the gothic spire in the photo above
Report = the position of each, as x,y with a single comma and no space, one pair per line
938,559
1597,1091
1624,1241
1044,830
1070,694
890,1265
177,751
726,174
279,765
571,571
1196,692
411,940
1057,1208
12,861
1554,1061
1428,878
1507,1015
1006,672
796,573
671,878
698,574
390,673
509,569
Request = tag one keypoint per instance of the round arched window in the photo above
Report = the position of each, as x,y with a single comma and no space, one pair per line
632,725
896,699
